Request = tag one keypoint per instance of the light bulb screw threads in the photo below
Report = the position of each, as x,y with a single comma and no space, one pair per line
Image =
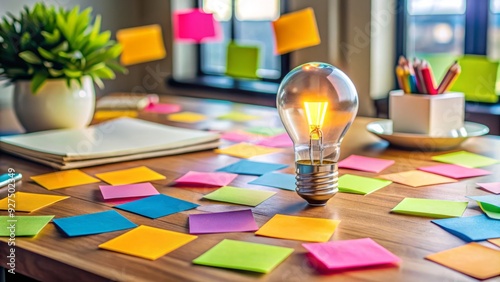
316,182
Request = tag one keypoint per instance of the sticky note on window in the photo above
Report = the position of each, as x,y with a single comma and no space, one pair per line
466,159
430,208
29,225
416,178
242,61
349,183
64,179
195,26
29,202
242,196
296,30
141,44
130,176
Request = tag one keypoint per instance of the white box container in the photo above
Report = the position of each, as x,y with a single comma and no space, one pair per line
432,115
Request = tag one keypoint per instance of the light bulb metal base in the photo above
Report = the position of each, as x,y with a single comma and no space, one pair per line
316,182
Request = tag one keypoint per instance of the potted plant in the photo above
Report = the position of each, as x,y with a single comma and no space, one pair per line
54,56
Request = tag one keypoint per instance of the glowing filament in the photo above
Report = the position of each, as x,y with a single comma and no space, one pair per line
315,112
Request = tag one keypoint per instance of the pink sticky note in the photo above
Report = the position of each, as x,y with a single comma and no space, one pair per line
231,221
493,187
235,136
365,163
210,179
195,26
347,254
454,171
127,193
162,108
277,141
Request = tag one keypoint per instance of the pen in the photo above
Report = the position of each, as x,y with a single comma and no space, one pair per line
8,178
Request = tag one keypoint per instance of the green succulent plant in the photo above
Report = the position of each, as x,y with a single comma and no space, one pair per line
49,42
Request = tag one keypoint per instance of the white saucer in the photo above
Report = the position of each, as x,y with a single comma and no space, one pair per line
383,129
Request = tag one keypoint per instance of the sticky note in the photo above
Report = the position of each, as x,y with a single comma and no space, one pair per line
238,117
349,183
245,150
220,222
489,204
93,223
162,108
430,208
187,117
472,228
242,61
23,225
244,256
127,191
276,180
147,242
239,136
252,168
64,179
29,202
130,176
365,163
240,196
348,254
195,26
210,179
265,130
299,228
455,171
278,141
295,31
466,159
416,178
493,200
141,44
493,187
472,259
104,115
157,206
495,241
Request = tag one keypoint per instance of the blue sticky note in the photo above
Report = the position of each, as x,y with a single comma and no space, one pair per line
488,199
251,168
473,228
93,223
277,180
157,206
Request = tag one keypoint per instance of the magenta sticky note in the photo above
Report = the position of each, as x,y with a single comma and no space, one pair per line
234,136
493,187
219,222
365,163
210,179
195,26
125,193
277,141
454,171
348,254
162,108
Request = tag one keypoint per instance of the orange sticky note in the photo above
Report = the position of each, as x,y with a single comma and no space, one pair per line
416,178
103,115
147,242
129,176
472,259
495,241
63,179
299,228
246,150
187,117
295,31
141,44
29,202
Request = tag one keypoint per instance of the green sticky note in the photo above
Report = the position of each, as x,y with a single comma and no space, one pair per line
238,117
430,208
244,256
29,225
264,130
491,211
242,196
242,61
466,159
349,183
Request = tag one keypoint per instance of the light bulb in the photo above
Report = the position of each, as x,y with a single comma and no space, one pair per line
317,104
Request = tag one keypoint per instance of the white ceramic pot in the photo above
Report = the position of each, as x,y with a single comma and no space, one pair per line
55,105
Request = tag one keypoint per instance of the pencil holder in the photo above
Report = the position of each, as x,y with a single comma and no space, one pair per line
433,115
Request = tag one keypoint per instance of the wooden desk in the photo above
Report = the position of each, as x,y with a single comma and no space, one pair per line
52,257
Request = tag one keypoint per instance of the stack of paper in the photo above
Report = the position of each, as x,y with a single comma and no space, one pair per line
113,141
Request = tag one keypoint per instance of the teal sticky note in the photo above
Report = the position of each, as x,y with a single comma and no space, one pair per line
276,180
29,225
242,61
93,223
430,208
157,206
349,183
252,168
472,228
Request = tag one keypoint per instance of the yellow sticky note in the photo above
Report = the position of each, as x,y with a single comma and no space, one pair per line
63,179
129,176
472,259
416,178
188,117
103,115
238,117
246,150
495,241
299,228
29,202
147,242
141,44
295,31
